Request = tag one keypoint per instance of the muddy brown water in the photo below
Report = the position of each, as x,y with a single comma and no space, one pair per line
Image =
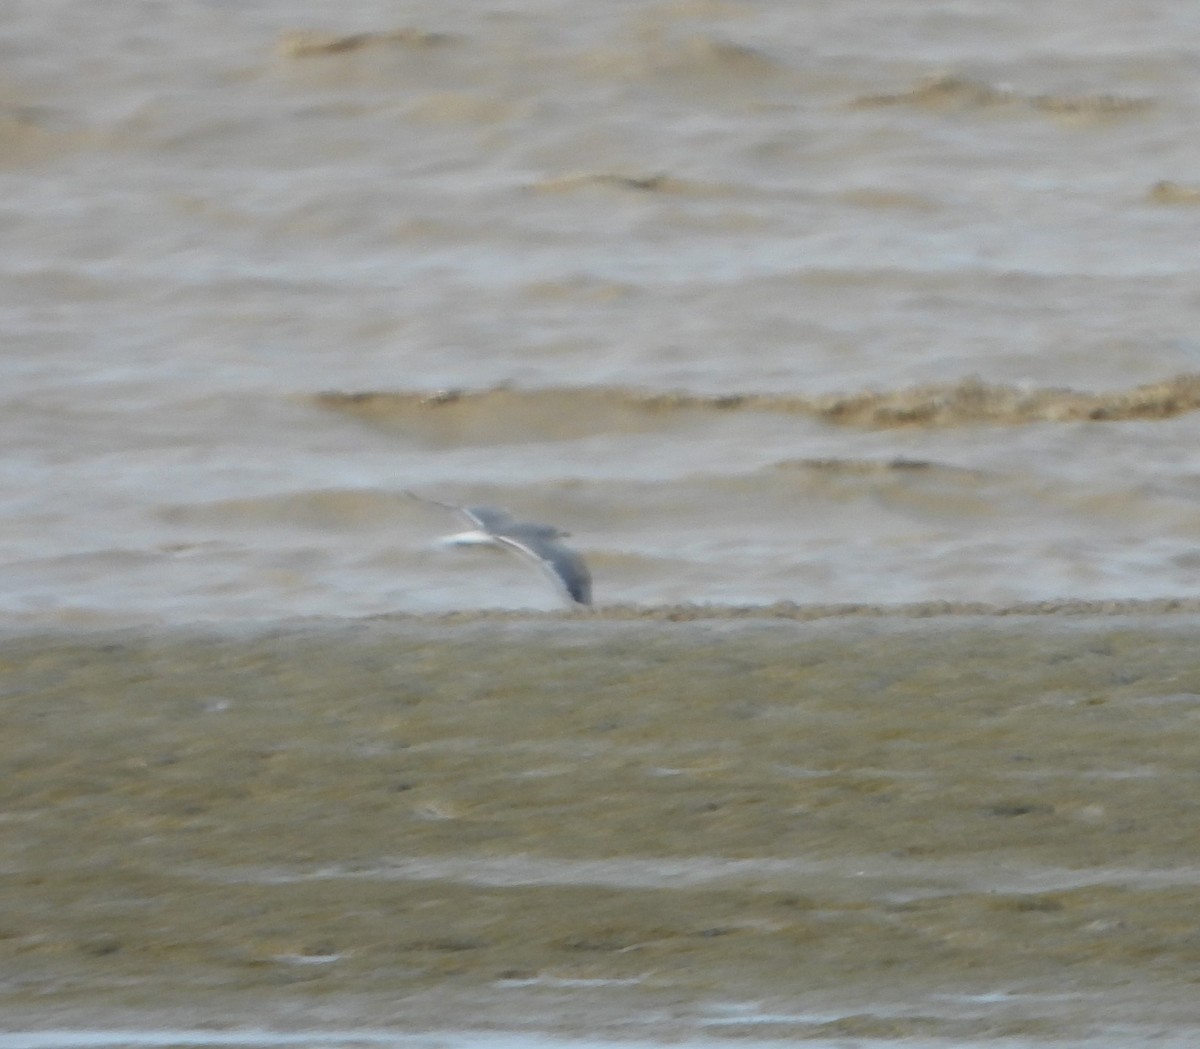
697,281
866,823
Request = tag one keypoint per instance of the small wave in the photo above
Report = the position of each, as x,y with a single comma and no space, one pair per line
973,401
856,466
882,474
949,91
305,43
29,134
712,55
1173,193
504,414
658,183
659,54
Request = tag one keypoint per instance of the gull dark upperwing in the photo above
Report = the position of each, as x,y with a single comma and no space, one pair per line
563,565
537,542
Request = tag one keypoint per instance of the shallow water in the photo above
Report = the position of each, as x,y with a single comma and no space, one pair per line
982,220
848,830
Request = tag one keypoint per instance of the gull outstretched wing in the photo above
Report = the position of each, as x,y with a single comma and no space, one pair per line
537,542
562,564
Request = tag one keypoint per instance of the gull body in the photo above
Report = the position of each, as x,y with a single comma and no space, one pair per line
537,543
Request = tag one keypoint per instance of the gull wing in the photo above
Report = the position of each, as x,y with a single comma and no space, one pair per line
537,542
487,518
562,564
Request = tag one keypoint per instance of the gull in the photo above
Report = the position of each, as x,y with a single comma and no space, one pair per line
538,543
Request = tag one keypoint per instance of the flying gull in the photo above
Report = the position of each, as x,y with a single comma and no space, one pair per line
536,542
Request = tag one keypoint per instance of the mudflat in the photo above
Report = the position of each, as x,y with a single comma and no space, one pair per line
889,825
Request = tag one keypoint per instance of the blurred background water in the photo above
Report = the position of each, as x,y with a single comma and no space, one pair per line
526,226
